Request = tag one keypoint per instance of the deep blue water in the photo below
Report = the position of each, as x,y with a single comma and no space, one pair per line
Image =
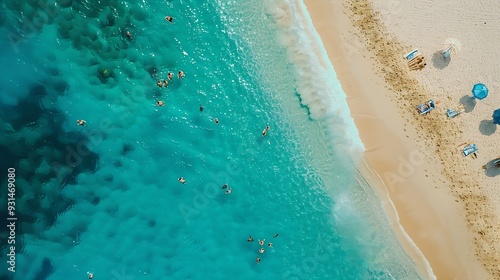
105,197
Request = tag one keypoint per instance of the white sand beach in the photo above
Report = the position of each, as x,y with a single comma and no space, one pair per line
445,202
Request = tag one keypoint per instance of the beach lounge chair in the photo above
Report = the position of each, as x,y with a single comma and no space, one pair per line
451,113
426,107
469,149
411,54
496,163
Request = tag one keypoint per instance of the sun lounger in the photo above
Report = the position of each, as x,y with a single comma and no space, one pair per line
469,149
496,163
426,107
451,113
411,54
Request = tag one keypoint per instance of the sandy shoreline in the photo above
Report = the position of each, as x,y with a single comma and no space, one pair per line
401,161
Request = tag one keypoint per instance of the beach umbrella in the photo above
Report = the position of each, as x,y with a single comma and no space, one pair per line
452,45
496,116
480,91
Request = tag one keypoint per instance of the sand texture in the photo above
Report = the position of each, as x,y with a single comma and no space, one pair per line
447,205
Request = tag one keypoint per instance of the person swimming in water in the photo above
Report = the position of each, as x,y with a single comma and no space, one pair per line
224,186
159,84
257,260
165,83
91,275
81,122
228,191
129,36
261,242
250,238
261,250
264,132
169,19
170,75
270,244
180,74
216,120
160,103
201,108
181,179
276,235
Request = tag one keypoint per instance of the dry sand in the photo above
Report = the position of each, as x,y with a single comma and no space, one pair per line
444,201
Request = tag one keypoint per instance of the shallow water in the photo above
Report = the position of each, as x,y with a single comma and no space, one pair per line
105,198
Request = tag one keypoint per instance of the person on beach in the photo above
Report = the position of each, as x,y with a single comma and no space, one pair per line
228,191
170,75
181,179
81,122
169,19
216,120
276,235
160,103
261,250
261,242
250,238
270,244
224,186
257,260
165,83
180,74
159,83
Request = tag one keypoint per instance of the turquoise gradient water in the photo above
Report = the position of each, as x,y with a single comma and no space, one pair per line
105,198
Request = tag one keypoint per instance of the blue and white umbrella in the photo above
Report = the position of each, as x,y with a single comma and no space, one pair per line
480,91
496,116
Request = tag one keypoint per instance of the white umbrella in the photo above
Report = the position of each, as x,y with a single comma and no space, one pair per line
452,45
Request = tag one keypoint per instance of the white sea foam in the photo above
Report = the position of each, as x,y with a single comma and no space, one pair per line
316,80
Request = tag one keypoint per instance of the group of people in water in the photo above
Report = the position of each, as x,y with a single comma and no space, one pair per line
261,243
164,83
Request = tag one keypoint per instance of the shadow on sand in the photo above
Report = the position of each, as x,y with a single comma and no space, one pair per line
487,127
490,169
439,61
469,102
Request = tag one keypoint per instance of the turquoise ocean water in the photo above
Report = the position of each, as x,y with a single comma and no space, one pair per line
105,198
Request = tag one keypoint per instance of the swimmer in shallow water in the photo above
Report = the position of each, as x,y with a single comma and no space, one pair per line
201,108
169,19
160,103
165,83
180,74
81,122
216,120
159,84
276,235
261,242
270,244
257,260
224,186
170,75
228,191
91,275
261,250
264,132
250,238
181,179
